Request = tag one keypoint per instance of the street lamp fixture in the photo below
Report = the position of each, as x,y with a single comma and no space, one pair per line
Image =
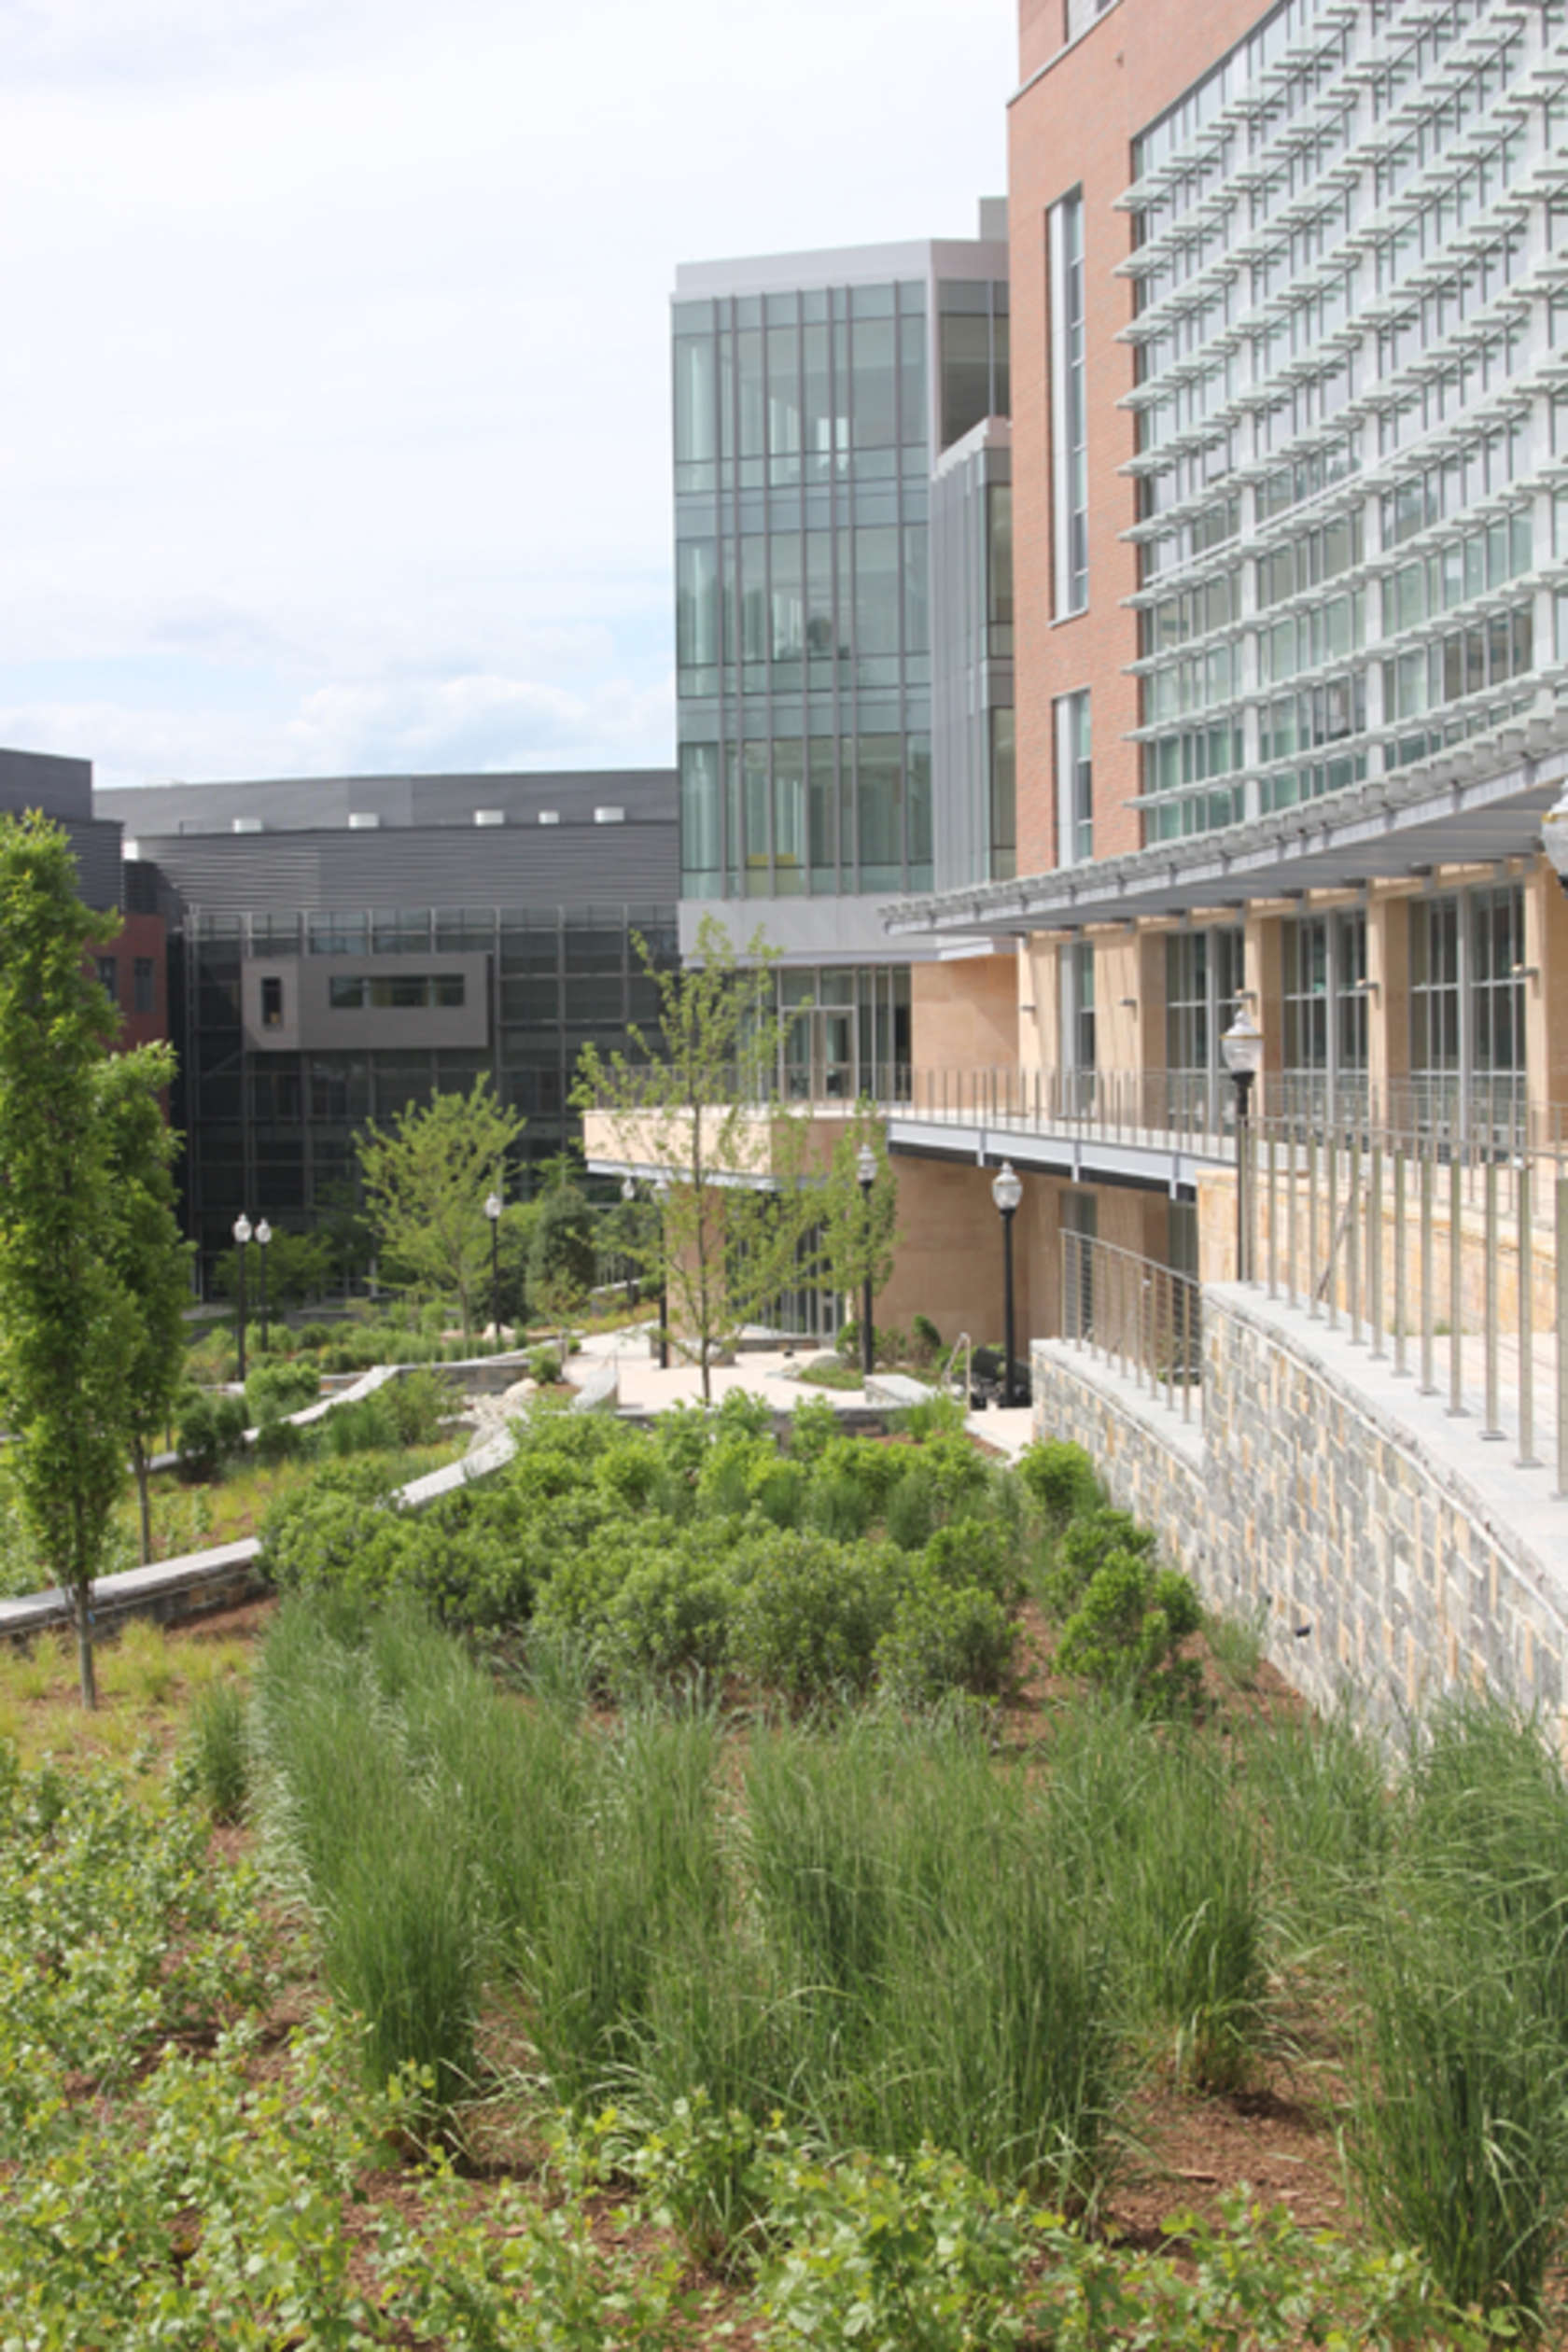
1007,1191
1243,1047
263,1234
661,1194
493,1210
242,1243
866,1176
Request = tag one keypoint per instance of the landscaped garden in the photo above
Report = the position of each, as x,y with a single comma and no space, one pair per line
692,1889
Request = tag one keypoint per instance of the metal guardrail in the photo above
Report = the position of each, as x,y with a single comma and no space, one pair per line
1444,1252
1143,1318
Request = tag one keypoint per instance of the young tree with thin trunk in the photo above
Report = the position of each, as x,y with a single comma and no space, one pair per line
66,1327
700,1103
859,1233
426,1179
150,1259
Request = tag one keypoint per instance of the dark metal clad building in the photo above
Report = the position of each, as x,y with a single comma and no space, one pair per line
350,945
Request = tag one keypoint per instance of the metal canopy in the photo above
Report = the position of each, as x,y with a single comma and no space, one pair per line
1388,829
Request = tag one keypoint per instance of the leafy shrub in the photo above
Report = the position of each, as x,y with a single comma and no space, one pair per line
283,1441
743,1413
313,1335
1061,1479
1087,1544
912,1508
973,1552
339,1533
210,1429
813,1427
671,1613
276,1389
544,1367
415,1406
947,1637
809,1613
837,1504
630,1473
1126,1630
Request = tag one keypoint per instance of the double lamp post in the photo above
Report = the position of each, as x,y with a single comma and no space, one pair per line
244,1232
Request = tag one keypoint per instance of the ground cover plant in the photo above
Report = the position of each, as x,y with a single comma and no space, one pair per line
663,1917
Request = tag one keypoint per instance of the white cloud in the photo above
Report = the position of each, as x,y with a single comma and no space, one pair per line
338,346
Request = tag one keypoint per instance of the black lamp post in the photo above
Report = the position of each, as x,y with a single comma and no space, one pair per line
1242,1048
493,1210
865,1174
628,1193
263,1234
1007,1191
661,1194
242,1243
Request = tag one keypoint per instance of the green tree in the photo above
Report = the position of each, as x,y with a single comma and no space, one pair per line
67,1325
859,1232
426,1178
149,1257
299,1268
563,1254
700,1103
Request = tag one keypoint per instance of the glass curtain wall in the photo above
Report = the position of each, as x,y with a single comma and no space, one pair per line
803,441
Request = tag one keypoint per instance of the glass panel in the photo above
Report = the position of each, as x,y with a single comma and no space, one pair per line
696,434
912,381
789,802
789,607
696,612
966,374
876,591
916,627
879,784
876,400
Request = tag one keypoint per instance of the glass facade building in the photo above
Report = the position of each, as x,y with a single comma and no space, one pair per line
813,396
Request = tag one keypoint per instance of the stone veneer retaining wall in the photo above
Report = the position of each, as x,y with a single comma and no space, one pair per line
1372,1560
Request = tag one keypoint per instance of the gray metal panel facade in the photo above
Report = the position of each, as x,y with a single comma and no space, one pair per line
40,779
295,805
418,866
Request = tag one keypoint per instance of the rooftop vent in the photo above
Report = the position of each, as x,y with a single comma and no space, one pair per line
609,816
244,824
363,821
550,815
489,816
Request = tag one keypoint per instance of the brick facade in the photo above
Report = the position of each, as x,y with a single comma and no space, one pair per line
1073,126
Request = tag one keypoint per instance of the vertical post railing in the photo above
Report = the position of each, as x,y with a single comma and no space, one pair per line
1456,1279
1312,1220
1331,1150
1528,1458
1428,1319
1375,1245
1273,1215
1489,1292
1355,1208
1561,1223
1294,1189
1401,1286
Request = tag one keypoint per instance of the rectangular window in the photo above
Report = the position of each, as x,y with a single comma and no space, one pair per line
1068,406
108,976
143,986
1074,780
1078,1020
272,1001
345,995
395,992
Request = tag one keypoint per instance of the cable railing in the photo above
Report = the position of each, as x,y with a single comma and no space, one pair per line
1142,1318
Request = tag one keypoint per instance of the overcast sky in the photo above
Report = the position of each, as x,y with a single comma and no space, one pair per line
333,378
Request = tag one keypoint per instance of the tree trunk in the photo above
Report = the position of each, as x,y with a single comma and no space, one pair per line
81,1598
144,1496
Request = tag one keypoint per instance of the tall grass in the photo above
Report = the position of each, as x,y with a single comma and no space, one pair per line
1459,2132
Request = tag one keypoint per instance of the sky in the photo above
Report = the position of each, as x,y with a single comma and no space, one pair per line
334,405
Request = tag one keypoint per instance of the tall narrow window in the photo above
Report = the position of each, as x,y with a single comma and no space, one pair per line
1070,456
1074,780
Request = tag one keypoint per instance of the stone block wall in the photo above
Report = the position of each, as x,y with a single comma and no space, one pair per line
1371,1562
